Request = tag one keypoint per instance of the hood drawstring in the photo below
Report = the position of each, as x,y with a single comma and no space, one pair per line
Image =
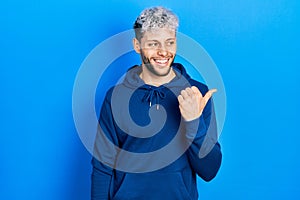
153,96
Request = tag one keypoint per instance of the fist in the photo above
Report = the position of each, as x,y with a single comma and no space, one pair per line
192,102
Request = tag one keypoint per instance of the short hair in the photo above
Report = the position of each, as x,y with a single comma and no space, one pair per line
154,18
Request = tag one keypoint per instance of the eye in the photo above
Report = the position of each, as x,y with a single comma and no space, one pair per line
153,44
170,43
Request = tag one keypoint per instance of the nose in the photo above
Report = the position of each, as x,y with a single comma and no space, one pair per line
162,51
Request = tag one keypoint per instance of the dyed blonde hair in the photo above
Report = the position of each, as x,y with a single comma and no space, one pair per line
155,18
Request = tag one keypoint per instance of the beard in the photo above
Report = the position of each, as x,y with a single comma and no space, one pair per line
151,68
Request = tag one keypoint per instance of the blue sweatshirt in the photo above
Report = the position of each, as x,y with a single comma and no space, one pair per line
149,121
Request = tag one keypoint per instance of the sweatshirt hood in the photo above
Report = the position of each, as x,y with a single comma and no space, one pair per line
153,94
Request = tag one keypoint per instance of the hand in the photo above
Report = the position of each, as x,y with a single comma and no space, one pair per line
192,103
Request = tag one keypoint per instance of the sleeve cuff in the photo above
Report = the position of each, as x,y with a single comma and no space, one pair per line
195,128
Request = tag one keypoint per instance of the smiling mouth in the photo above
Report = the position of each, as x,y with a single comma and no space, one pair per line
163,61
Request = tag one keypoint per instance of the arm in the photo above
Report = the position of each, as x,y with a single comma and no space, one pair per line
104,154
204,152
101,178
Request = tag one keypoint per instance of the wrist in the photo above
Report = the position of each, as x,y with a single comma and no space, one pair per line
195,128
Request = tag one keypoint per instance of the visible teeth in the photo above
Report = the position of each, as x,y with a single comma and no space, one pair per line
161,61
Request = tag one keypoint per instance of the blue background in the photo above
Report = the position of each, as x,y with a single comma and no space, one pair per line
254,43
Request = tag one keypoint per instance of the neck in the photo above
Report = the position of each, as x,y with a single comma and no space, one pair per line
152,79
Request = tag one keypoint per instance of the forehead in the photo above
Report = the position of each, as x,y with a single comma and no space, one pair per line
159,34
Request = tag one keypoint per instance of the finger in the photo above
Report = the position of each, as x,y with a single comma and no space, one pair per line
184,94
180,108
196,91
189,91
180,99
208,95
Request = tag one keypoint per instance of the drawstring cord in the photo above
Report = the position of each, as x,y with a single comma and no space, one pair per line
154,95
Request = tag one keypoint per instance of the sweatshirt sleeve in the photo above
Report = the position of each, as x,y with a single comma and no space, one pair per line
104,154
204,152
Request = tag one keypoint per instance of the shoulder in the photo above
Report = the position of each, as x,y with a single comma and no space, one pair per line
116,90
201,86
180,69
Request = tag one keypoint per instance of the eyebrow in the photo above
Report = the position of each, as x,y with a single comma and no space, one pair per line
159,41
152,41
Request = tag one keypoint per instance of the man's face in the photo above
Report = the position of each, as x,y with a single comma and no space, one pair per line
157,49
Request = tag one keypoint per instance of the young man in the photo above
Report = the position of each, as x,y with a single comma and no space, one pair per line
157,109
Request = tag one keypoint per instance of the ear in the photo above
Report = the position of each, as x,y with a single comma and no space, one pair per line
136,45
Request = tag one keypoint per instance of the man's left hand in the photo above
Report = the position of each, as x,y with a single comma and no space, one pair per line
192,103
